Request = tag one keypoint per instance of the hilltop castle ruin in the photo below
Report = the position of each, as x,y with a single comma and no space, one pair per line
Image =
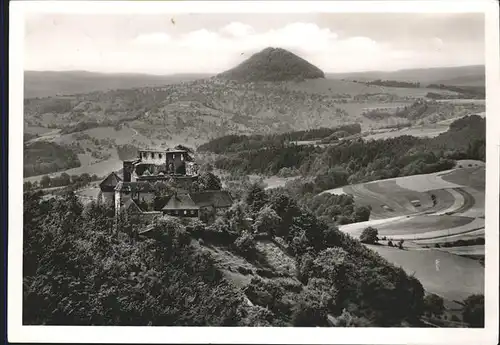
162,182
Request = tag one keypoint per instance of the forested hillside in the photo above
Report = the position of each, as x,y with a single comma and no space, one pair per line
363,160
235,143
284,268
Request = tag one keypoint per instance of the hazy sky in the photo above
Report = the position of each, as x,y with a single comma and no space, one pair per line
212,43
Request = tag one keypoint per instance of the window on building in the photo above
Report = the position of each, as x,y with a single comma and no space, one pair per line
152,155
160,155
185,212
173,155
182,157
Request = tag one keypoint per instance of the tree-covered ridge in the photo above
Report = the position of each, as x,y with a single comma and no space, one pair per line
235,143
77,272
367,160
473,92
42,157
432,111
394,83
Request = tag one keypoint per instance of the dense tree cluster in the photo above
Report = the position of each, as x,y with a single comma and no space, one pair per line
76,272
44,157
127,151
473,312
267,160
339,209
369,235
394,83
237,143
362,160
470,92
424,110
434,305
417,110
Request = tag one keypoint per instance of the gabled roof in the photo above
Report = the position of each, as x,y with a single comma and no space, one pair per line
110,181
216,198
180,202
138,186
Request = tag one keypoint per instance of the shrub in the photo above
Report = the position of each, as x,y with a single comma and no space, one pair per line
369,235
245,245
434,304
258,316
347,320
309,311
267,221
473,312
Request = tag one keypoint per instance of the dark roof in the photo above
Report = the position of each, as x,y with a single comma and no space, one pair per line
111,180
180,202
139,186
216,198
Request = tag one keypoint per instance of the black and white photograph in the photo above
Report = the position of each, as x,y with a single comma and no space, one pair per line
293,169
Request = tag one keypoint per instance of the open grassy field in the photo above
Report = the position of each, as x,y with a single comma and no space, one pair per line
450,276
416,228
402,208
480,233
424,224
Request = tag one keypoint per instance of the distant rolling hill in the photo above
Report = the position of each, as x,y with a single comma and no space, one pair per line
52,83
458,76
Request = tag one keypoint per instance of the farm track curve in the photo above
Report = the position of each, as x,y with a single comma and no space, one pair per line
403,207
